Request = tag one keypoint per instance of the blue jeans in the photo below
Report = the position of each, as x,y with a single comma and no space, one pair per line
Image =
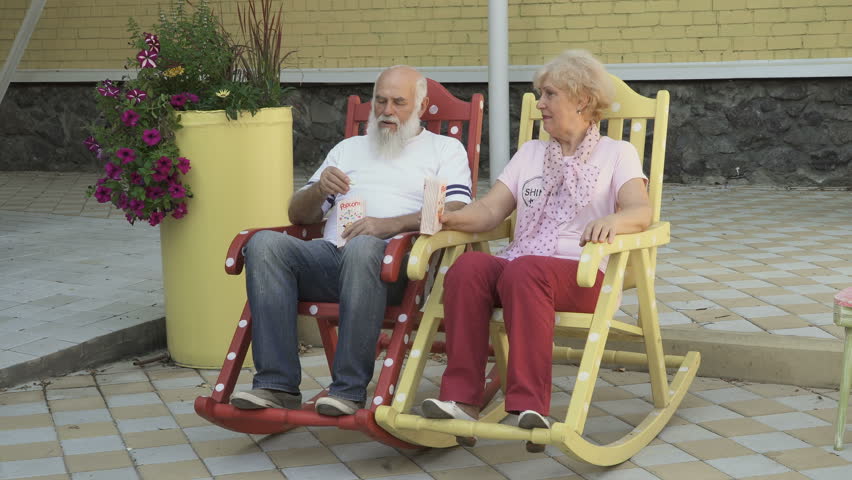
282,270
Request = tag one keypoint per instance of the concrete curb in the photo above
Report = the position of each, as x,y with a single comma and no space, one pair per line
756,357
142,338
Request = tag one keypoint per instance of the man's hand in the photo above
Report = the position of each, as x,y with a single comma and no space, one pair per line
377,227
333,181
599,231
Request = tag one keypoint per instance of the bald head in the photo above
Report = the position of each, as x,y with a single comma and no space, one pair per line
399,100
400,91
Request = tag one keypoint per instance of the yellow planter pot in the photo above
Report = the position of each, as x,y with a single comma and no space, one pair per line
241,177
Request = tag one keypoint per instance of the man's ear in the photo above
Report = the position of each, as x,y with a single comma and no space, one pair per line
423,105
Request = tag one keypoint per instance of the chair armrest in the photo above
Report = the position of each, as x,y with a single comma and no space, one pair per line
422,250
235,259
395,251
656,235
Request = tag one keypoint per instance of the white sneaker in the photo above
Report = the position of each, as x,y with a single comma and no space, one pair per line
449,410
440,410
529,419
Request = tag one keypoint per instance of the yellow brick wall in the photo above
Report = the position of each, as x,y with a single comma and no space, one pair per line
84,34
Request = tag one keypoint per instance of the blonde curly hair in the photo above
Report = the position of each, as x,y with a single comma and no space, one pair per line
581,75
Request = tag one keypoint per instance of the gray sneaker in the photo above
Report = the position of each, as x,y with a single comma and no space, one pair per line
265,398
336,406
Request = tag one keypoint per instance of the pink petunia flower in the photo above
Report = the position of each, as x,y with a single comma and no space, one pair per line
176,190
109,91
126,155
183,165
137,206
156,218
147,58
130,118
136,95
152,41
122,201
164,164
103,194
178,100
113,171
91,144
179,211
136,179
151,137
154,192
131,218
159,176
191,97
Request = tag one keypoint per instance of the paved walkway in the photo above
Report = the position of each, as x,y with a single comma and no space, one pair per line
126,422
742,259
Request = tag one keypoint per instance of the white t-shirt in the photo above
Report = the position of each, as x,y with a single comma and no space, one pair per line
618,163
394,187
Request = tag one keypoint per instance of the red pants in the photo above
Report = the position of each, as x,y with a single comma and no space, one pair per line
531,289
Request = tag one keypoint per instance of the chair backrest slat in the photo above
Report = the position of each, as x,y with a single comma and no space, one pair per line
615,128
434,126
443,107
454,129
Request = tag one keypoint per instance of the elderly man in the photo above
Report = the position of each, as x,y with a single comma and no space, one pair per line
385,169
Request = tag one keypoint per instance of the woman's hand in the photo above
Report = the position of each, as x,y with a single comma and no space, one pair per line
449,219
633,214
599,231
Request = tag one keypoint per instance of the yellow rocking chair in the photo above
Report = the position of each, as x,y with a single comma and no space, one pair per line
629,110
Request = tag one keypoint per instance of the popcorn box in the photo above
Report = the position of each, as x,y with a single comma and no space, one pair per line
434,193
349,211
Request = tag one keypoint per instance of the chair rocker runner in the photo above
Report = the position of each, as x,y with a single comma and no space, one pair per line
446,113
596,328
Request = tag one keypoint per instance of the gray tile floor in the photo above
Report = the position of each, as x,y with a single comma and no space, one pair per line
122,421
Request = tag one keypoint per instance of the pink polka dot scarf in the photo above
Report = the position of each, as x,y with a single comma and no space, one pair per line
568,184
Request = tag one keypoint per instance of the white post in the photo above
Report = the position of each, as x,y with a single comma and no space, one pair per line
498,87
20,44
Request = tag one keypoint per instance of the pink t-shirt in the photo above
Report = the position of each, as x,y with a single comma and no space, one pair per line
618,162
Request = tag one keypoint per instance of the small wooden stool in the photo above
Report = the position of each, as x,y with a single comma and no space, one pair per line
843,318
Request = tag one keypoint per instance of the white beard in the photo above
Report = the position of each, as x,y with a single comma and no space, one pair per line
389,143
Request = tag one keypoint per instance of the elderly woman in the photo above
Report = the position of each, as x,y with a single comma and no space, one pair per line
579,187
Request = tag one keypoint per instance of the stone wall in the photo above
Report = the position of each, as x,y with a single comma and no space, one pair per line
790,132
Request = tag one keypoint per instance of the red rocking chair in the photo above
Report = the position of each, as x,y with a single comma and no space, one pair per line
446,114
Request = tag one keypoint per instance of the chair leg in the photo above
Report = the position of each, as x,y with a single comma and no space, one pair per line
412,373
845,383
649,321
501,352
584,386
234,359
